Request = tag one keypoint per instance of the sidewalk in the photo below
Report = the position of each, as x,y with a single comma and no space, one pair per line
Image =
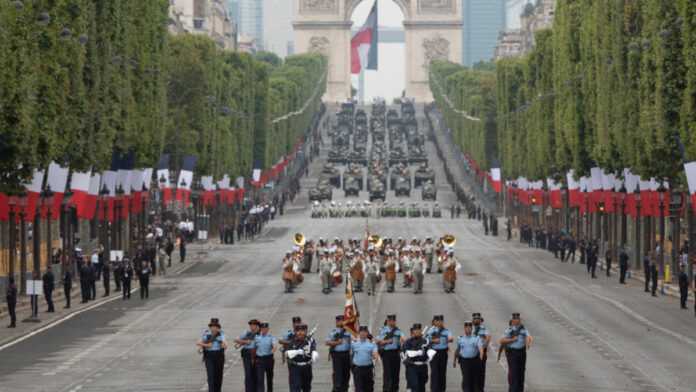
670,289
8,335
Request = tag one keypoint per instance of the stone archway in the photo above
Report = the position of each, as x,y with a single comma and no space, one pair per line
433,30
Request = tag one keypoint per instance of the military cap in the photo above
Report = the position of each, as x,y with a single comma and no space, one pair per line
439,317
391,317
363,328
468,324
296,320
263,325
476,315
416,326
515,316
253,322
214,322
301,327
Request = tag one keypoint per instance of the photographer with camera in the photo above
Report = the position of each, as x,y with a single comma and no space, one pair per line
339,342
213,345
516,340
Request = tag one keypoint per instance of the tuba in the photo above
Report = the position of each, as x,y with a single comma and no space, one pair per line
299,239
449,240
375,240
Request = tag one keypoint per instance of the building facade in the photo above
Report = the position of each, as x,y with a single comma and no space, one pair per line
483,20
534,17
207,17
251,20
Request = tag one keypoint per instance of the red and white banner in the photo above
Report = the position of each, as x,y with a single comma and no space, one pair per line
208,196
690,169
183,187
108,201
631,183
574,197
496,180
79,186
33,193
164,185
57,181
555,195
608,182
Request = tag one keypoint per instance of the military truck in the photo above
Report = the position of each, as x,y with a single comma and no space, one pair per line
332,174
429,192
377,192
321,192
403,187
414,211
423,174
351,187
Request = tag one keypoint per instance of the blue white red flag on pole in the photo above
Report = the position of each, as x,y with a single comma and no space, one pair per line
363,45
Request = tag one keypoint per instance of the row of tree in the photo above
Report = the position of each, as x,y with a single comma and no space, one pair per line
82,79
612,84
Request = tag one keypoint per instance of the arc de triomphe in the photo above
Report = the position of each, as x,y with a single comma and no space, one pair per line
433,30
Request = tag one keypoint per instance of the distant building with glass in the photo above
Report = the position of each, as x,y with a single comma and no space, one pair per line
250,20
483,20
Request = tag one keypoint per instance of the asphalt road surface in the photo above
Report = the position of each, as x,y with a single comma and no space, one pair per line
591,335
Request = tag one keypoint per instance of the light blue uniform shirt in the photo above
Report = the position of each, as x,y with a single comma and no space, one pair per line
217,343
483,333
395,341
264,344
345,338
247,336
520,343
468,346
444,338
362,352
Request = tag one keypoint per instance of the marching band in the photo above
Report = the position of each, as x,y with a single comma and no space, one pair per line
372,258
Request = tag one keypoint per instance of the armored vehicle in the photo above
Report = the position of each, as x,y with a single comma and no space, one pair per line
403,187
422,175
429,192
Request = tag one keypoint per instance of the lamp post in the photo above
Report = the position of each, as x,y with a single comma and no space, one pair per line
621,196
661,191
46,202
675,206
104,205
13,235
638,221
119,221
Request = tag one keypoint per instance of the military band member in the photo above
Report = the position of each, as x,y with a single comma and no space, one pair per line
266,345
428,250
440,338
339,341
301,353
407,267
363,358
326,269
389,341
373,275
419,268
469,353
357,272
391,267
516,340
246,342
288,272
482,332
449,271
416,360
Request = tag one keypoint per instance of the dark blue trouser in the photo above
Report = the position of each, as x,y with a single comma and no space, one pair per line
214,366
264,373
300,378
416,377
249,372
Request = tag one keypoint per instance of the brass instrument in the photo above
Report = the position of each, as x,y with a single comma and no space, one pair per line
299,239
449,240
376,241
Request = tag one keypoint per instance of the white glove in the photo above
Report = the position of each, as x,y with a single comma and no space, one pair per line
293,353
315,356
414,353
431,354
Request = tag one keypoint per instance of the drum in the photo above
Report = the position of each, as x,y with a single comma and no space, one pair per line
337,277
390,274
450,275
299,278
288,275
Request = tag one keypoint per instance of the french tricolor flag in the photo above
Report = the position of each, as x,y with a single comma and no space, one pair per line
57,181
496,181
364,44
79,186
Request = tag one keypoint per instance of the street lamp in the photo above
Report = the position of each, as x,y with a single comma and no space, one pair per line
638,228
661,192
46,203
